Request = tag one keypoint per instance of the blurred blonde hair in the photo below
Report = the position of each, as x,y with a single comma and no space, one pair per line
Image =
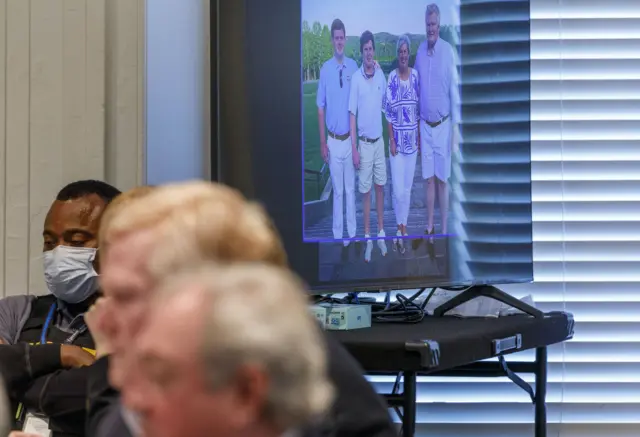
118,204
196,221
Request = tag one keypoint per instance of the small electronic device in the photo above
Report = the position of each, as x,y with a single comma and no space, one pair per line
320,313
343,317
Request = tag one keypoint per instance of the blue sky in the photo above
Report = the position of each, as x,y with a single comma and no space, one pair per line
393,16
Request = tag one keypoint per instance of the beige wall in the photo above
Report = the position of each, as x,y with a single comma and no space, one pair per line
71,107
125,72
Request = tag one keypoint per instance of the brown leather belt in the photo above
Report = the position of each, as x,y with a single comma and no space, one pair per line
437,123
368,140
339,137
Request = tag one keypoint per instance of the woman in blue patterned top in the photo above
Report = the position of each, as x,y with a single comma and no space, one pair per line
401,110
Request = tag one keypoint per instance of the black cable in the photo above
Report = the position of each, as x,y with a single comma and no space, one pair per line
402,301
404,310
428,298
327,298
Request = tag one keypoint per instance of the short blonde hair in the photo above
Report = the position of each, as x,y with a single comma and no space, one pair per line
118,204
197,221
257,315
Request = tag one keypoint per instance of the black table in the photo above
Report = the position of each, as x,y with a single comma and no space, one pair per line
451,346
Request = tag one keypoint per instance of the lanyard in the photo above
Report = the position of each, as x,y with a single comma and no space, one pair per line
45,328
75,335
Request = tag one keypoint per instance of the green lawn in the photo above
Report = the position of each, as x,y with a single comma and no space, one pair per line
312,156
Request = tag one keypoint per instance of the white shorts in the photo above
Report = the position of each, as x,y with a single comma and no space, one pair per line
435,149
373,165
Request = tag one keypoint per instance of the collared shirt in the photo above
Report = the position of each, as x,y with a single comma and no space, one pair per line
365,102
333,97
131,420
439,93
66,321
401,110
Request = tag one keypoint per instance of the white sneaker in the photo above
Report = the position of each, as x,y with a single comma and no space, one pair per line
367,251
382,244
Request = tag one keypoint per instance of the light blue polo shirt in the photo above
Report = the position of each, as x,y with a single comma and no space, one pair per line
333,98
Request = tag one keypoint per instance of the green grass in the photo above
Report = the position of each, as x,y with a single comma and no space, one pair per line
312,156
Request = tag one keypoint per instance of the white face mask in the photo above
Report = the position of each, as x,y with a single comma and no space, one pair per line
69,273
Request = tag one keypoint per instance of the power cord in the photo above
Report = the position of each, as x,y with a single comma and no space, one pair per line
404,310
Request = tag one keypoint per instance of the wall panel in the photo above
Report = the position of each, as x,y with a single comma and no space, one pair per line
48,108
54,107
125,72
3,119
17,22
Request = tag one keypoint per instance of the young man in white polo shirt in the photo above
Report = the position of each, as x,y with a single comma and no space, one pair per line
365,102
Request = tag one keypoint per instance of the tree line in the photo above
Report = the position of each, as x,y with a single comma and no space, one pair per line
317,48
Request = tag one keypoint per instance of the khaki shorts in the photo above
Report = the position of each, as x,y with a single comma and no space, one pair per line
435,145
373,165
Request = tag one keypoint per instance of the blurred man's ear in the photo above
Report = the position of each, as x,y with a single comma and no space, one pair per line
251,389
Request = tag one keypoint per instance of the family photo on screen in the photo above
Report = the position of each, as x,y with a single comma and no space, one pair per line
381,116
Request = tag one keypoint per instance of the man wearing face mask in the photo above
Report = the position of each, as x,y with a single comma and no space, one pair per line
70,256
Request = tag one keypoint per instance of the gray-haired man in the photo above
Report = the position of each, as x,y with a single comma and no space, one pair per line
439,114
202,372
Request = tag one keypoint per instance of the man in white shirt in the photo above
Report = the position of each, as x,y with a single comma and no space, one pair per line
439,116
333,123
368,86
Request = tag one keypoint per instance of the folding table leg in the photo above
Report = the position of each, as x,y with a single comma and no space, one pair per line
409,407
541,392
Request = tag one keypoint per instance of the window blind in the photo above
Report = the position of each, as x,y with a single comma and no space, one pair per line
585,132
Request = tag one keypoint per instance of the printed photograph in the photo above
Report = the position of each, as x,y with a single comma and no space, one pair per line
381,115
